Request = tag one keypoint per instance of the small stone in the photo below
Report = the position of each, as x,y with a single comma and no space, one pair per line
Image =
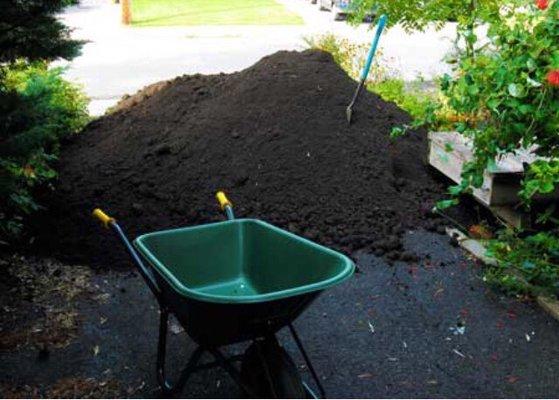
163,149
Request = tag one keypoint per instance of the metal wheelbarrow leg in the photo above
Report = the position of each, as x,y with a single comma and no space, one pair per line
192,364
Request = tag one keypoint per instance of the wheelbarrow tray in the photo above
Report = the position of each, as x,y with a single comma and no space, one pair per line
236,280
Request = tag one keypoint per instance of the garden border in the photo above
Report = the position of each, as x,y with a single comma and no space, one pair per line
478,250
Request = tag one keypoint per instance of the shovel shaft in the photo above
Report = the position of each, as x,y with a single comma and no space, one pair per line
367,66
373,49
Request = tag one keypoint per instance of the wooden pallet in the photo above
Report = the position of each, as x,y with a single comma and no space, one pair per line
448,153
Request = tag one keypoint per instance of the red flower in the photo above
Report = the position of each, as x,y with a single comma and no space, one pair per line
553,77
542,4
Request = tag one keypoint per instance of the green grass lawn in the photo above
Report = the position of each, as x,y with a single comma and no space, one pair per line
211,12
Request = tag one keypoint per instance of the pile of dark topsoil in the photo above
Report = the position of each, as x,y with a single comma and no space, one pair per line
273,136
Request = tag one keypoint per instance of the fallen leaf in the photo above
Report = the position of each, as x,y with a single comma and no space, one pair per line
480,232
371,327
103,298
457,352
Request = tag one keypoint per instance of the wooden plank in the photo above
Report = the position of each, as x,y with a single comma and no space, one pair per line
449,151
450,163
499,191
549,305
511,163
512,216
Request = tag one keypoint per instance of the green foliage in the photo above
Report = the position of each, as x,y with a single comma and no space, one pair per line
29,29
411,97
502,98
349,56
527,265
504,91
418,15
37,109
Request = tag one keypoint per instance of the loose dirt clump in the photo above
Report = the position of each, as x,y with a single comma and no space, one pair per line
273,136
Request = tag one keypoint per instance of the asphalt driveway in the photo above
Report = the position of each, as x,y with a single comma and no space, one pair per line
431,329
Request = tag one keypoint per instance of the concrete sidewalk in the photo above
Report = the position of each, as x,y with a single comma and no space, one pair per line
118,60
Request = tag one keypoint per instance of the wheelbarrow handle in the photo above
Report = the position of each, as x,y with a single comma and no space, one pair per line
225,204
102,217
110,222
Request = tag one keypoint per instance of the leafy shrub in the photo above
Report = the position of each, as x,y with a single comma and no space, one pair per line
418,15
348,55
511,99
32,31
527,265
37,109
505,91
413,99
351,57
504,96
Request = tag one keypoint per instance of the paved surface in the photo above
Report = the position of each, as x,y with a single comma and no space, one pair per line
118,60
390,331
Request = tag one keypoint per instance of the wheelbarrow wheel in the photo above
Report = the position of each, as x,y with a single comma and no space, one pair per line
268,370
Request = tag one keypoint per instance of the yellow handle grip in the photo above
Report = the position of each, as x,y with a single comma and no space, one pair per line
223,200
102,217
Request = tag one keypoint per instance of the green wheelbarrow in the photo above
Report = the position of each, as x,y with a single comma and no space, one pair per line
241,280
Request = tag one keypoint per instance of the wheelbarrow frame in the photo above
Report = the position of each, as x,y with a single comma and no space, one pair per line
167,301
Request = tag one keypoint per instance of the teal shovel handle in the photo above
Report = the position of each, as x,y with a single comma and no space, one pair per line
381,24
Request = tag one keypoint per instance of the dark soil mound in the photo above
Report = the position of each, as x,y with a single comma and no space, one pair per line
273,136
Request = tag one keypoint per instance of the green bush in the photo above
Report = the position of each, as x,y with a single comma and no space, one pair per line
504,96
511,98
526,265
37,109
411,97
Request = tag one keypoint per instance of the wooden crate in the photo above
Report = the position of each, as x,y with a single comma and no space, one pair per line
500,186
449,151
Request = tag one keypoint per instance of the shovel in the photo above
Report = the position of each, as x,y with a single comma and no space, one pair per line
367,67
